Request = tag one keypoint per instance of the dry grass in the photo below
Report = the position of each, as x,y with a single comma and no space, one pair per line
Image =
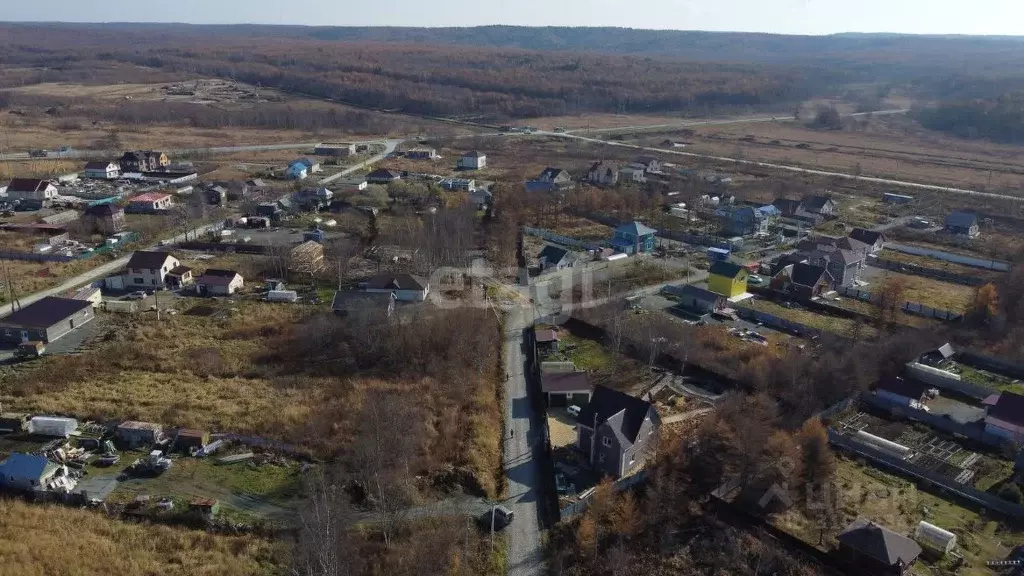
834,324
890,147
186,371
40,540
31,277
897,504
928,291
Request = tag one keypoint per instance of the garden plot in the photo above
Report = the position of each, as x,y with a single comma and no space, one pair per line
933,451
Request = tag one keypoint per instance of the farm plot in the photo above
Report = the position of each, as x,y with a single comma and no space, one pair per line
933,451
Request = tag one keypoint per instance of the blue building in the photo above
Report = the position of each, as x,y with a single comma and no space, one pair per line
633,238
718,254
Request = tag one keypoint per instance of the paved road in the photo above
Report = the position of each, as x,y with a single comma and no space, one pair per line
871,179
525,557
81,154
89,276
687,123
389,147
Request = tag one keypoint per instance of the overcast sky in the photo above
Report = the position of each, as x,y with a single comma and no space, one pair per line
780,16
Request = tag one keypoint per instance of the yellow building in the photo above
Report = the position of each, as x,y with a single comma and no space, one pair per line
727,279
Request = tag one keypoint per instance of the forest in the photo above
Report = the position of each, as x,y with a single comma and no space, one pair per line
1000,120
484,83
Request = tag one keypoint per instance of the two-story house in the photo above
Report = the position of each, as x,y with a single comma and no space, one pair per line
615,431
474,160
650,164
745,221
603,174
633,238
820,205
104,218
153,270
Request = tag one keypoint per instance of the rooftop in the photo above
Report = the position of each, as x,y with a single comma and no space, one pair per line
880,543
396,282
45,313
727,269
605,406
150,197
148,259
564,382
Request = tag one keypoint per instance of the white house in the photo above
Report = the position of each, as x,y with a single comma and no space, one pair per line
216,282
154,270
102,170
31,189
474,160
297,171
406,287
633,173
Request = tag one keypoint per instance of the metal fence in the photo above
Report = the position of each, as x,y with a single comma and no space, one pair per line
772,321
989,501
970,430
916,270
950,257
946,381
908,307
580,505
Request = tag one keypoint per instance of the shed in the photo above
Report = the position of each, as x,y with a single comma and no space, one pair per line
205,506
13,422
133,434
186,439
566,388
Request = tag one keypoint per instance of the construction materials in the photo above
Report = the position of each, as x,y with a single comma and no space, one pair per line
882,444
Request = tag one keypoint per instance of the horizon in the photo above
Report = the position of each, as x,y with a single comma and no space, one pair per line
993,18
499,25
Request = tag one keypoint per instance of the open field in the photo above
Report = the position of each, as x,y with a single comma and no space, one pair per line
936,264
138,371
891,147
834,324
897,504
927,291
40,539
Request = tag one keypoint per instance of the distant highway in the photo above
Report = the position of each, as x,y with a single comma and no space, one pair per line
688,123
740,161
86,154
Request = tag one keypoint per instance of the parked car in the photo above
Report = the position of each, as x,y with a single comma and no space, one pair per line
137,295
38,154
755,279
497,517
573,411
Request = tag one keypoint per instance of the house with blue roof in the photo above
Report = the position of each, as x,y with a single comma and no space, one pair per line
633,238
27,472
301,168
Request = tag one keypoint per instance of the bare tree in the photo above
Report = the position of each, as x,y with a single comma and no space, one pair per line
389,432
325,545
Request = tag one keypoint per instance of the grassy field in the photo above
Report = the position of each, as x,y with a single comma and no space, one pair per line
834,324
40,540
928,291
897,504
936,264
891,146
189,370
